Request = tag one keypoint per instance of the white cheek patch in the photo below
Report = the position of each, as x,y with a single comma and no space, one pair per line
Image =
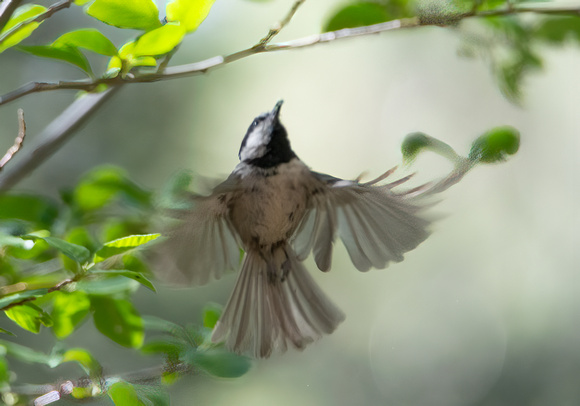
256,142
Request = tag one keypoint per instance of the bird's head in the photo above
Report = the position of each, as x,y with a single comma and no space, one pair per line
266,142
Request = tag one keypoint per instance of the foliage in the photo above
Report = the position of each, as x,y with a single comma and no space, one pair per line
509,43
65,262
156,39
57,274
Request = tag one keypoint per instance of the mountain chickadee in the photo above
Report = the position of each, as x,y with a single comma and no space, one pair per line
278,211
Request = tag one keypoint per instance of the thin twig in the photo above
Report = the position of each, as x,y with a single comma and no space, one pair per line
263,46
145,376
17,142
206,65
54,136
60,129
41,17
36,87
56,287
281,24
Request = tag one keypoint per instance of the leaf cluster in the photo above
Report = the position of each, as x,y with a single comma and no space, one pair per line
156,39
68,261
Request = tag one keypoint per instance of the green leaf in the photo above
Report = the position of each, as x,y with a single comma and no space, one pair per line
170,346
153,395
512,73
12,35
99,186
136,14
135,264
69,309
123,394
157,324
84,358
557,30
29,317
108,286
123,245
495,145
17,297
4,375
419,142
40,211
189,13
88,38
159,41
219,363
118,320
81,2
76,252
211,314
4,331
127,60
67,54
136,276
86,392
30,355
79,236
7,240
357,15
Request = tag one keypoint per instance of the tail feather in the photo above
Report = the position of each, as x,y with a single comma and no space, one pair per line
266,314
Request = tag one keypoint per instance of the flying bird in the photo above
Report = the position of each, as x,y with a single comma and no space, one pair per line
278,211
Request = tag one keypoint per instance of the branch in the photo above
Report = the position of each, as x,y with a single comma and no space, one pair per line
50,393
264,46
17,142
37,87
55,135
61,128
280,25
206,65
56,287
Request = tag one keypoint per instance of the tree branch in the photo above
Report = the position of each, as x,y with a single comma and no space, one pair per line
55,135
264,46
56,287
61,128
50,393
17,142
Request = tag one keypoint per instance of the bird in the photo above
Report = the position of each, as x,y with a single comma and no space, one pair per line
278,211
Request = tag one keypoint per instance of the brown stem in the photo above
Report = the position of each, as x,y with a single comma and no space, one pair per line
17,142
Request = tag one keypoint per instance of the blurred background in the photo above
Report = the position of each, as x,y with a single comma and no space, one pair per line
485,312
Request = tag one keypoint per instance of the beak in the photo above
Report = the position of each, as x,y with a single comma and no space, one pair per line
276,110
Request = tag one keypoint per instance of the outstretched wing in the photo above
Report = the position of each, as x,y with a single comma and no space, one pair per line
202,243
375,224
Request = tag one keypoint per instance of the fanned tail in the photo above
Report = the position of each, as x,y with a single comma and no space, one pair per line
274,305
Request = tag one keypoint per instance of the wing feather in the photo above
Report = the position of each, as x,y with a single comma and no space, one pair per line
201,243
375,224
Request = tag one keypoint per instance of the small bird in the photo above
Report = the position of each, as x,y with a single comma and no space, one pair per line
279,211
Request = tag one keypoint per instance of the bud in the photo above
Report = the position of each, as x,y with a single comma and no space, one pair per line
495,145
